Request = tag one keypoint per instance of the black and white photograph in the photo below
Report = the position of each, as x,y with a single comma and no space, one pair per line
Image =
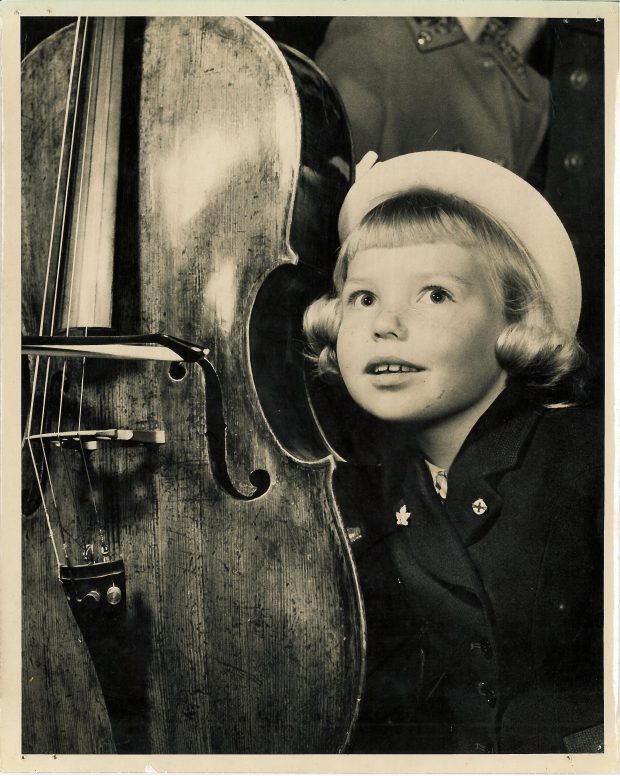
307,387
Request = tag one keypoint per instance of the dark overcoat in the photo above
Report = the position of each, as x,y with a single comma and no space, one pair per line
419,84
484,613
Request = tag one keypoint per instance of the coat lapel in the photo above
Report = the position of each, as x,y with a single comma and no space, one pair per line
435,539
429,541
492,448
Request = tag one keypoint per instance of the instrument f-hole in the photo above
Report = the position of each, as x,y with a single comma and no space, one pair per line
177,371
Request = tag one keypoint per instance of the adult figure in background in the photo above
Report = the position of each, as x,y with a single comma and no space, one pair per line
575,162
439,83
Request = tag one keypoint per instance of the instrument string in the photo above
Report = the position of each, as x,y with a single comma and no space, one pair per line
74,59
77,63
80,540
95,57
65,213
85,159
65,208
45,464
104,543
78,204
44,503
71,278
74,63
89,112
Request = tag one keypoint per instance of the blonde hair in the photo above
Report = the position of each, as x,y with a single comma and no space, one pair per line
531,348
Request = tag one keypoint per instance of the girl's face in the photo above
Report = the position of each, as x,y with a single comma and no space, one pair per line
418,333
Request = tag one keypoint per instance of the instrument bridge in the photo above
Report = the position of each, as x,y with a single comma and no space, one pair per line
89,439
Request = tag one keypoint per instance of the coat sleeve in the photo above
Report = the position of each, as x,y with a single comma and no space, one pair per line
394,656
564,709
354,56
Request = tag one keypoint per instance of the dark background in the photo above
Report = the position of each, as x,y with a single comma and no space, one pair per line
569,169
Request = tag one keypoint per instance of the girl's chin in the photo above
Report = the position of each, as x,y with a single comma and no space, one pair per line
393,414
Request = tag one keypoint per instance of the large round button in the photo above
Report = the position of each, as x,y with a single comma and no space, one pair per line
573,161
579,78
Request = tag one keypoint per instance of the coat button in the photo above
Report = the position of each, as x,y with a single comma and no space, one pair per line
424,38
479,506
485,689
484,645
573,161
579,78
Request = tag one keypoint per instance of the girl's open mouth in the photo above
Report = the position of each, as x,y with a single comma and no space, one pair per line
390,366
392,369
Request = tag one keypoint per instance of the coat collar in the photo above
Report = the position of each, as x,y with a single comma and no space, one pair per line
435,32
431,33
496,440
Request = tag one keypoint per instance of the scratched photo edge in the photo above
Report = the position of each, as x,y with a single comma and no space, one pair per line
11,759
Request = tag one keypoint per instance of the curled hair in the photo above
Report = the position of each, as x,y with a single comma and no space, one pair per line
531,348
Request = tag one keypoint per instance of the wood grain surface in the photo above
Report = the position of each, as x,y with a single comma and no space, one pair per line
243,630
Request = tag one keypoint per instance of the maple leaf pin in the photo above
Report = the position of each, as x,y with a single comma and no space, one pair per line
402,516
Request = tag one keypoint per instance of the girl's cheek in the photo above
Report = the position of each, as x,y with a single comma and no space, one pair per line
349,325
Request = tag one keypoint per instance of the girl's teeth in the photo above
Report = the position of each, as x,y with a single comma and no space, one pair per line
383,368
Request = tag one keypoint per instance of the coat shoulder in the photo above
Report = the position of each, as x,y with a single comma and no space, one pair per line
572,435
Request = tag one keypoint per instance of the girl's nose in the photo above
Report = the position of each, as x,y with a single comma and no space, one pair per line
389,325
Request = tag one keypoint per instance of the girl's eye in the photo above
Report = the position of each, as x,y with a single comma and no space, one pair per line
437,295
362,299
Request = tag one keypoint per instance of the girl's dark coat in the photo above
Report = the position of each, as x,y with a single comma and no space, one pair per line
485,623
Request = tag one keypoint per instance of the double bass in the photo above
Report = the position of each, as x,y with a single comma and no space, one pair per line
187,582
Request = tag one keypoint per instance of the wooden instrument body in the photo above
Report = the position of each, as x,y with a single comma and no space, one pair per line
243,629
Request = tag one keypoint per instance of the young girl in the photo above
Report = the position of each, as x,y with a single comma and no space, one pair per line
453,319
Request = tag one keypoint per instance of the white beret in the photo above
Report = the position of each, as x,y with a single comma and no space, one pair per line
506,196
